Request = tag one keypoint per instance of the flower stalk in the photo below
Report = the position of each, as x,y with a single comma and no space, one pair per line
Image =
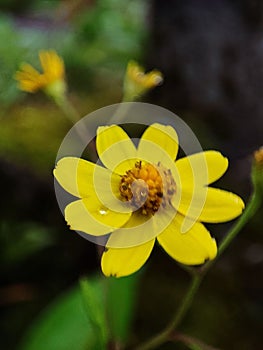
67,108
249,212
164,336
191,342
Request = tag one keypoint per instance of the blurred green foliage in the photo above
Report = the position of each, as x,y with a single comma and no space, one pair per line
64,325
86,317
24,132
10,55
121,296
19,240
94,303
110,33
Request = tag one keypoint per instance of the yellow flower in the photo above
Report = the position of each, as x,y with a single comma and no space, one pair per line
258,156
52,80
142,194
137,82
257,170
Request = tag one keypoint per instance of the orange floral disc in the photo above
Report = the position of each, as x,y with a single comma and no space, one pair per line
147,187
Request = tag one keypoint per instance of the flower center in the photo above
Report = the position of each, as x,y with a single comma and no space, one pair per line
147,187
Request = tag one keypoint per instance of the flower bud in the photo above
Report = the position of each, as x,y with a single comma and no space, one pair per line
257,170
137,82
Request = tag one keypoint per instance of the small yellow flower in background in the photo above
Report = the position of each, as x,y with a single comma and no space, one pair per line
137,82
257,170
142,194
51,80
258,156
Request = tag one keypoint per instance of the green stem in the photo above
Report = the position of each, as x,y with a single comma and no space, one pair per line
251,208
184,307
65,105
73,116
198,275
187,301
248,213
191,342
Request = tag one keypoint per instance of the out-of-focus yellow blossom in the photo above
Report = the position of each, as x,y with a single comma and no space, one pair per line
51,80
142,195
257,170
258,156
137,82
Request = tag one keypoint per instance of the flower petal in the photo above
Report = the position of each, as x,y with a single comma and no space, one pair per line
114,147
125,261
90,216
29,78
138,230
79,177
210,205
52,64
201,168
221,206
141,228
191,248
157,140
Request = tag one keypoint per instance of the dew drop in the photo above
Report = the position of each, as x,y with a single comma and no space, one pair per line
103,211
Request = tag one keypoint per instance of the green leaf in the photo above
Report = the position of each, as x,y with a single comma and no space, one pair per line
94,302
120,305
66,325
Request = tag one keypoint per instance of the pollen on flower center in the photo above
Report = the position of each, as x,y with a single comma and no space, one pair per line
147,187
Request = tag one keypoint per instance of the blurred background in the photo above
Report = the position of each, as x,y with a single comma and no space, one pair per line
211,55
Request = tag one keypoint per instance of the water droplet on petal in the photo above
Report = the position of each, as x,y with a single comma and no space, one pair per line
103,211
